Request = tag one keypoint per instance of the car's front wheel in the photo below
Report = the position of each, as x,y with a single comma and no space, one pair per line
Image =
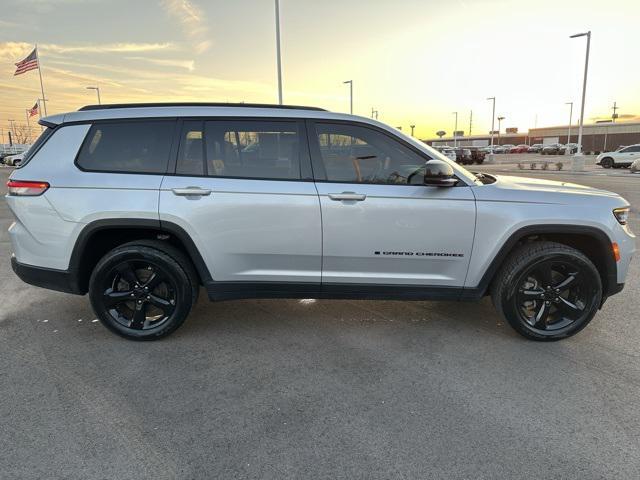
143,290
606,162
547,291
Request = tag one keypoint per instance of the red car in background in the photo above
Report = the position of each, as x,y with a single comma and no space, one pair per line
522,148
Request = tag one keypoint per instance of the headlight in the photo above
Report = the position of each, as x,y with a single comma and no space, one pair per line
622,215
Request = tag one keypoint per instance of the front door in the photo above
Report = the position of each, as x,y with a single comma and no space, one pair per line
380,224
242,190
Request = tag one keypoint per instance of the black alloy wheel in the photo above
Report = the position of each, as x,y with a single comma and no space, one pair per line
143,290
554,294
547,291
139,295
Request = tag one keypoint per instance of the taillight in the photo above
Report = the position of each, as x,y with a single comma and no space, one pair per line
23,188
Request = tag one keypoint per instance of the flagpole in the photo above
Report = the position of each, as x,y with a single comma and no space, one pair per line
44,102
28,126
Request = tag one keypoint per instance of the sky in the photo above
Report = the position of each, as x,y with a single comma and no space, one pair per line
415,61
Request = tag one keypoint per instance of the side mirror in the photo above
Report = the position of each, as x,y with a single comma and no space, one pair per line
438,173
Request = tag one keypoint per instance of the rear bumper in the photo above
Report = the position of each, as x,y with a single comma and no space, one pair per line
59,280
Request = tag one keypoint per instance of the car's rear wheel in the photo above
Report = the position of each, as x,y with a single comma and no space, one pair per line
606,162
143,290
547,291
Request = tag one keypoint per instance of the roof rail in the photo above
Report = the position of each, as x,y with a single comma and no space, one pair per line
195,104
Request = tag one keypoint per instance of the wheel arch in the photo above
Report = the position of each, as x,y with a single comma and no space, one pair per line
100,236
591,241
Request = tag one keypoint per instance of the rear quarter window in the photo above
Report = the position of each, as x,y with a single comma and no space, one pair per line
127,147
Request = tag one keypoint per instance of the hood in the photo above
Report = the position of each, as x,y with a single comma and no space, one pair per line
533,190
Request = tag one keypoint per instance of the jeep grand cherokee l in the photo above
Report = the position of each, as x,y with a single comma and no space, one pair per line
140,205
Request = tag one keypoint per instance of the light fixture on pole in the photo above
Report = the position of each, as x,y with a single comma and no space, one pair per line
493,119
278,57
570,118
578,159
97,89
350,82
455,130
499,122
412,128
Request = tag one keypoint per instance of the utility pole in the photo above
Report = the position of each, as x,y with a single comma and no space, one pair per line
455,131
490,158
350,82
499,122
570,117
470,121
615,115
578,163
278,57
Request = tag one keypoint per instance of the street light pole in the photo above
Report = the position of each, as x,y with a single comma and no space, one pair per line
499,123
455,131
570,117
493,119
578,164
412,127
350,82
97,89
279,60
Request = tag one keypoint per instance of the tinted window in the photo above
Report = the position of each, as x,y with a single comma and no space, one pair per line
191,153
633,149
44,136
136,147
252,149
240,148
358,154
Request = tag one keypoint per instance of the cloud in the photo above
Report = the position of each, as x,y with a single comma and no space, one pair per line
107,47
15,51
193,22
166,62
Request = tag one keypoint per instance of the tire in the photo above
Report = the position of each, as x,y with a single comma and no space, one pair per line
607,162
547,291
143,290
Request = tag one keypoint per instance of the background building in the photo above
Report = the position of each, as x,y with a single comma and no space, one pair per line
597,137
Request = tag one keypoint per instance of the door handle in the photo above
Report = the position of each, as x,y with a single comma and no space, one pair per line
196,191
350,196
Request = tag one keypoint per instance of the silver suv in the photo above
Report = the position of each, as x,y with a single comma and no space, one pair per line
140,205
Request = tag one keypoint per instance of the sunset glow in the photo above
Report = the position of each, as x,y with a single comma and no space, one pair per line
413,61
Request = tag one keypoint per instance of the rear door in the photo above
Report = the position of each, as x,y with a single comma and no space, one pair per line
381,224
242,189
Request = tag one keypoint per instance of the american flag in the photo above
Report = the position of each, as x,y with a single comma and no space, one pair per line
33,110
29,63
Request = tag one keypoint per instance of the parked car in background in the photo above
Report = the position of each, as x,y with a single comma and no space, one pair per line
570,149
535,148
623,157
448,152
552,149
522,148
496,149
477,155
507,147
14,160
463,155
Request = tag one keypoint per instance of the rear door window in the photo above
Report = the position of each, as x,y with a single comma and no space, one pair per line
127,147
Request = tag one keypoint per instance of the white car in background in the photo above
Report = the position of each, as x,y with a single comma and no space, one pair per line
14,160
623,157
448,152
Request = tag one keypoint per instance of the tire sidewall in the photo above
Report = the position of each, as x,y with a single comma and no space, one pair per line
183,290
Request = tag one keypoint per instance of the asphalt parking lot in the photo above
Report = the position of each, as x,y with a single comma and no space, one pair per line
276,389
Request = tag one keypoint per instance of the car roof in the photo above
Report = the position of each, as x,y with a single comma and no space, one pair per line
191,109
